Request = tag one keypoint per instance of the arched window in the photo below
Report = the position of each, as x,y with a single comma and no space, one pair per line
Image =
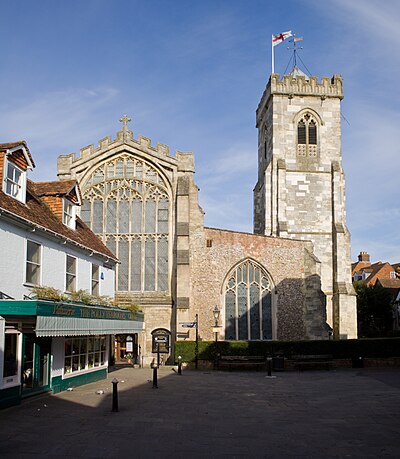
307,136
248,310
126,204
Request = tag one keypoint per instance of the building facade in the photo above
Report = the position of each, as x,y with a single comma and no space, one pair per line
290,280
50,345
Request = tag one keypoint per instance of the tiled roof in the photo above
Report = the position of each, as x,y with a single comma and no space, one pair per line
59,188
390,283
37,212
10,145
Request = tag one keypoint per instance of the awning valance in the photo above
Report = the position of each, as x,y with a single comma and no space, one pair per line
73,326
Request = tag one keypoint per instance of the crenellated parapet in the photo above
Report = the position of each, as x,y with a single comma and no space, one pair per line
301,85
125,136
304,86
184,161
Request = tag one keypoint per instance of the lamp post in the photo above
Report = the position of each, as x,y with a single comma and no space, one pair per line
216,313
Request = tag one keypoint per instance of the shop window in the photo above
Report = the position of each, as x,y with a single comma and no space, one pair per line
70,277
95,279
33,252
85,353
10,355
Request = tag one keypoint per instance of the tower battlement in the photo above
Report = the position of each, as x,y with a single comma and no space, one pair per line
184,160
300,85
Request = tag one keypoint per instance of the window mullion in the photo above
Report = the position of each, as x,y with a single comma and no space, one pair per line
248,301
236,307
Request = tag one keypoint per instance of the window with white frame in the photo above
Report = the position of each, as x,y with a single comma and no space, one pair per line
95,279
69,213
33,256
14,181
70,274
84,353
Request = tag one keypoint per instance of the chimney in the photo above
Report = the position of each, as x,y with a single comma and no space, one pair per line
364,257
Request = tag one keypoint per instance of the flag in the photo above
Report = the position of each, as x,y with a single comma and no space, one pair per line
276,39
296,39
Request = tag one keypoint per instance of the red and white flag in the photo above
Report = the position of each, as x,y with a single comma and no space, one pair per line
276,39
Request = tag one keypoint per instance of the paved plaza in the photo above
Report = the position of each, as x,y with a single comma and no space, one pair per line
207,414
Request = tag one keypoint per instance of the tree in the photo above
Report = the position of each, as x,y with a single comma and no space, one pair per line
374,310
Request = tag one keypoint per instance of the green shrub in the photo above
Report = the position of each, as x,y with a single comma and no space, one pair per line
340,349
48,293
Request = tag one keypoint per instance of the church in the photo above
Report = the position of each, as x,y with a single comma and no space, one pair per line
289,280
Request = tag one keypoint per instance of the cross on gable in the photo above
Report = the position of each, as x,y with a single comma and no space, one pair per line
125,120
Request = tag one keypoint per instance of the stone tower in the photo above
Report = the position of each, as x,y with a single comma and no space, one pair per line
300,192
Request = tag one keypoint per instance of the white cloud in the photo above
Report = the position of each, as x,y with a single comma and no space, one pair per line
231,165
374,17
54,120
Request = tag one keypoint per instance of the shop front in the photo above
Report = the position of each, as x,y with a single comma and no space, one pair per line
49,346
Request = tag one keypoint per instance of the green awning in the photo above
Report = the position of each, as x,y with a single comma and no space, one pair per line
73,326
68,319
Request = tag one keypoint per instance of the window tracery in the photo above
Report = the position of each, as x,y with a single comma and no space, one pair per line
307,137
126,203
248,310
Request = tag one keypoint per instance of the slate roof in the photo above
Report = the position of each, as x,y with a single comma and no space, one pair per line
37,212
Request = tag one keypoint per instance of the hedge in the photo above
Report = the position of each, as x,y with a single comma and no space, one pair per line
339,349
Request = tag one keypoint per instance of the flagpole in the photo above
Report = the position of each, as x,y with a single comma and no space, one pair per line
272,55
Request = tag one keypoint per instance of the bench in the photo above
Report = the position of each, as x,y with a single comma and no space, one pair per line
241,361
313,362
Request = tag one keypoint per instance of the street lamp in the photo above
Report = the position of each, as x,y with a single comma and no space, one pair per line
216,313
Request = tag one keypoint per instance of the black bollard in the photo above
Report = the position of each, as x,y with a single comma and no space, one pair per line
115,395
155,385
269,366
179,365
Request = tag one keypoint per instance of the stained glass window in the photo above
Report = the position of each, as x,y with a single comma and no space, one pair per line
248,312
127,196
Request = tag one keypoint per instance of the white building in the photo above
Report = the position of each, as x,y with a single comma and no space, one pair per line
50,345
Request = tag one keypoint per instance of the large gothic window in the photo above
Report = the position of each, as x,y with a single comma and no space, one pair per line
126,204
248,313
307,136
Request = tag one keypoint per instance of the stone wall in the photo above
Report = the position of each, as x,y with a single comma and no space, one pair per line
297,301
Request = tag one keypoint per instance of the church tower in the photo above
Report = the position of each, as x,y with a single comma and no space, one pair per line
300,193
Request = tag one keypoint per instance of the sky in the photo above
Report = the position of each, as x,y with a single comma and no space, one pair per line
190,74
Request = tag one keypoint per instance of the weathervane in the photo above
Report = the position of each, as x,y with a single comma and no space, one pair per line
294,48
295,54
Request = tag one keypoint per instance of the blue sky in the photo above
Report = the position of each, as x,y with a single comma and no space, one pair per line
190,74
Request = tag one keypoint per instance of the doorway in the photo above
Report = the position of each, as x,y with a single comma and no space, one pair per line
126,347
36,354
